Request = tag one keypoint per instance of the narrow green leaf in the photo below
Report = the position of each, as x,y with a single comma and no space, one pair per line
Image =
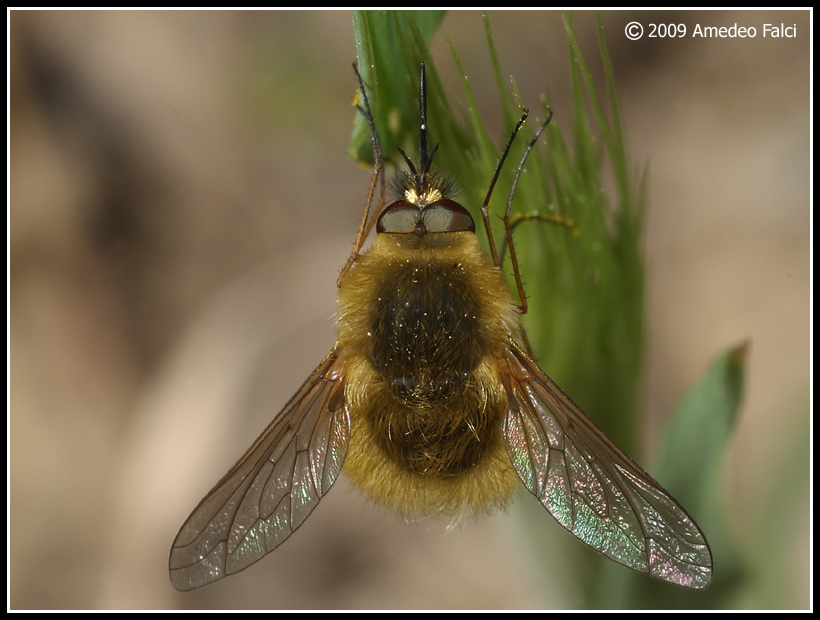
585,284
698,431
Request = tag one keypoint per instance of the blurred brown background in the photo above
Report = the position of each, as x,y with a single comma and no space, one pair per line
181,204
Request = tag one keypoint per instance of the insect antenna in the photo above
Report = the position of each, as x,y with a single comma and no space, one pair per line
421,177
425,156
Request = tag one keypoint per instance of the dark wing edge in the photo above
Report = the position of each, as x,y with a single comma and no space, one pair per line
590,486
273,488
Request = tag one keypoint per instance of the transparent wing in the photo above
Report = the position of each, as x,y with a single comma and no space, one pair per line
272,489
591,487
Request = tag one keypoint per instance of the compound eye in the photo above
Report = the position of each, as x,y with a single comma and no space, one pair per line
447,216
400,217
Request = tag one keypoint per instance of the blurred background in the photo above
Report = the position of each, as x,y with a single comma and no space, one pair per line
181,204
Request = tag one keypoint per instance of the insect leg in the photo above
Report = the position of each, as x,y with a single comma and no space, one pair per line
485,211
508,227
535,216
378,169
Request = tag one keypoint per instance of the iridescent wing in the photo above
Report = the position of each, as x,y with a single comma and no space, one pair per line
590,486
272,489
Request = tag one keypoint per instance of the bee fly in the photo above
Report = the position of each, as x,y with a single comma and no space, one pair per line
430,404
